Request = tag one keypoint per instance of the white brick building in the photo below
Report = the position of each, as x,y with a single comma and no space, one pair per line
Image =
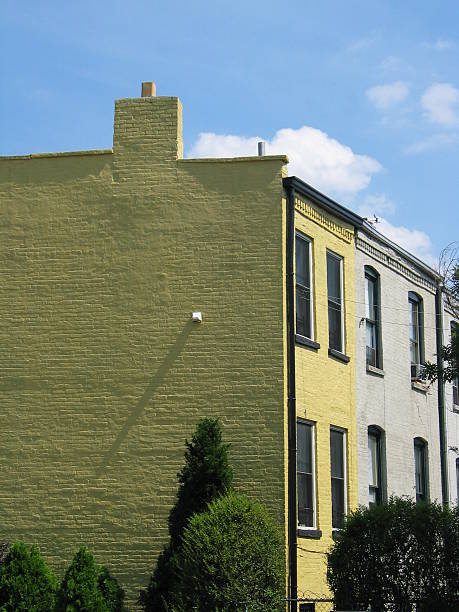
397,414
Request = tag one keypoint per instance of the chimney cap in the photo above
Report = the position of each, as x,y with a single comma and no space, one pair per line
148,89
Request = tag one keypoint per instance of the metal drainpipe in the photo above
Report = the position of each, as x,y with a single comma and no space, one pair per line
291,405
441,398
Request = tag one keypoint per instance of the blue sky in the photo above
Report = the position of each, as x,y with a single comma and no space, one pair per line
362,96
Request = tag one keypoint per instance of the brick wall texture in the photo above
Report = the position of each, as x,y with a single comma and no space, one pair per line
104,257
389,400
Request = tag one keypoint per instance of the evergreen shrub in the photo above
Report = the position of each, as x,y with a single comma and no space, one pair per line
26,582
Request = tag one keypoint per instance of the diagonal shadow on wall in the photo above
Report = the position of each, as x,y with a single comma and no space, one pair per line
155,382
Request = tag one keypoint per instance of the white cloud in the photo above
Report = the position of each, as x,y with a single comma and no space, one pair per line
376,204
432,143
316,158
440,102
441,44
414,241
386,96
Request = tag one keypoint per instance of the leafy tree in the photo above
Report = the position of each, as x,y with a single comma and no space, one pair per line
400,552
26,582
449,272
231,558
86,586
205,476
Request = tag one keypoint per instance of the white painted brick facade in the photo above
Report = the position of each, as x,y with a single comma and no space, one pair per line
389,401
452,419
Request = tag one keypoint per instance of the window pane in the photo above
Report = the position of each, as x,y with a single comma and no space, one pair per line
305,500
302,262
414,332
336,454
303,288
305,474
304,445
420,459
370,301
333,278
335,340
373,460
337,502
338,480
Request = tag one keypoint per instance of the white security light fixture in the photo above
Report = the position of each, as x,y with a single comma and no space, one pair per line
196,316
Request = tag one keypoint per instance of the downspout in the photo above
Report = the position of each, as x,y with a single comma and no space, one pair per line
441,397
291,402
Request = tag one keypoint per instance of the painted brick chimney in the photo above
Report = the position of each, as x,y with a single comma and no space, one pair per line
147,133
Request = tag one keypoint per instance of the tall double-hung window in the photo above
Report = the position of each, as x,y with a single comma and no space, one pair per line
376,465
338,476
303,284
372,317
335,302
306,480
421,470
416,334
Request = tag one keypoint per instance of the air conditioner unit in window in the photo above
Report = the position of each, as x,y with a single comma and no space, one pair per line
371,356
417,371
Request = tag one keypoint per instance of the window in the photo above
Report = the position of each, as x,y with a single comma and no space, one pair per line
455,381
376,476
303,280
416,334
338,476
306,474
420,470
335,302
372,315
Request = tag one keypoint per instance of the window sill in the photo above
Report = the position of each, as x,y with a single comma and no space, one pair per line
338,355
306,342
418,385
376,371
304,532
336,532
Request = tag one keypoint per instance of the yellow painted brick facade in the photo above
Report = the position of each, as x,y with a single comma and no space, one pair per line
104,256
325,386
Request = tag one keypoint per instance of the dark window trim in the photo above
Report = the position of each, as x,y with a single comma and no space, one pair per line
414,298
374,275
421,443
308,240
340,259
304,532
344,433
299,339
338,355
312,425
382,465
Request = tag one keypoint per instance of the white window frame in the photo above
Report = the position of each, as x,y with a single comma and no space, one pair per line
312,425
344,432
308,240
341,285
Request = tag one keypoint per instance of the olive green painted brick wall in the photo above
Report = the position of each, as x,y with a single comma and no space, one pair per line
103,258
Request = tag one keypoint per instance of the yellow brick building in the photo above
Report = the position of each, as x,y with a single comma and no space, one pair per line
324,346
103,373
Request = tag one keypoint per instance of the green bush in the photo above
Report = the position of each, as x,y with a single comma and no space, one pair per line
26,582
400,552
205,476
232,558
88,587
